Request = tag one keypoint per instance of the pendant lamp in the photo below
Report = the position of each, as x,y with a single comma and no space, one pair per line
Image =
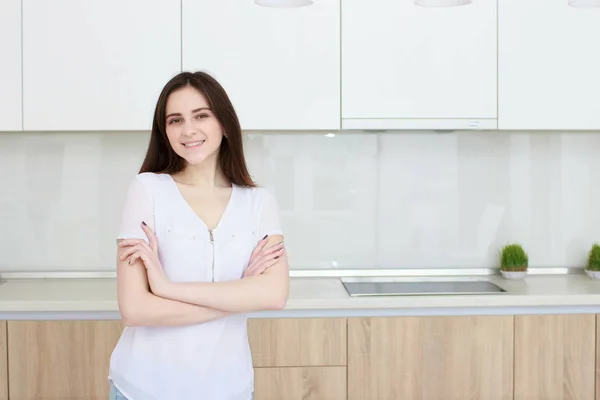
283,3
442,3
584,3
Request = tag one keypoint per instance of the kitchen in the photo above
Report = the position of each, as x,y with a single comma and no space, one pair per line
406,143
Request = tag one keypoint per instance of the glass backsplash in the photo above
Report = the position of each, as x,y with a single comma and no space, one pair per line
348,200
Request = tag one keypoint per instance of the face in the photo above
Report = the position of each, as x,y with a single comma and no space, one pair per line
194,132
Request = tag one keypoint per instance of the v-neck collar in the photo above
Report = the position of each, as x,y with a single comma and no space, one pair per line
226,211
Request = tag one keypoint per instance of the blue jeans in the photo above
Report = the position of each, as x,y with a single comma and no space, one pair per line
114,393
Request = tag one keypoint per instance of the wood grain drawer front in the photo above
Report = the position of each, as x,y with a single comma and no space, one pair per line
300,383
297,342
555,357
430,358
598,357
3,362
60,359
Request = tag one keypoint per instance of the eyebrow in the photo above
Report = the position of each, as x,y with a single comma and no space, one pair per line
193,111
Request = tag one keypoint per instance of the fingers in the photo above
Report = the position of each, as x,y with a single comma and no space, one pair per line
145,256
259,268
267,257
266,265
134,242
261,245
138,248
133,258
142,256
274,255
129,242
269,264
151,237
274,247
152,240
258,257
271,251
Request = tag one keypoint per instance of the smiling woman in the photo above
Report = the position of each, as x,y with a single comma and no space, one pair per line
200,245
212,116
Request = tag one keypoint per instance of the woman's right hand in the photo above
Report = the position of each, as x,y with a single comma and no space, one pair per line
263,258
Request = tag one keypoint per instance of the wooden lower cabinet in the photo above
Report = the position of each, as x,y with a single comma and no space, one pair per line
555,357
537,357
299,358
60,359
297,342
51,360
3,362
597,357
300,383
430,358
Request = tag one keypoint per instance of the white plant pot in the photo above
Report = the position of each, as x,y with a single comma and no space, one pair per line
593,274
514,274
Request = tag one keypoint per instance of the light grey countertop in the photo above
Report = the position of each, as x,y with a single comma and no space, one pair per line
95,298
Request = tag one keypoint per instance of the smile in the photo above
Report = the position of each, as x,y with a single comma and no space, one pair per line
194,144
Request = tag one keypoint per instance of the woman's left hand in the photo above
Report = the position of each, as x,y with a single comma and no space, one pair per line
139,249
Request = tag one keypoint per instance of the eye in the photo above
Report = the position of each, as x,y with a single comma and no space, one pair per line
200,116
174,120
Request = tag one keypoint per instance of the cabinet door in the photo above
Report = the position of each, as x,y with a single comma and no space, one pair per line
405,66
598,357
10,67
297,342
3,362
280,67
300,383
549,60
555,357
430,358
97,65
60,359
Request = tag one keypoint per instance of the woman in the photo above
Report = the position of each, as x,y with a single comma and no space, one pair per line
200,245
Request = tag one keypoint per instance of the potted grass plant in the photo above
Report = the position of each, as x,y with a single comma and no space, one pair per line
513,261
593,265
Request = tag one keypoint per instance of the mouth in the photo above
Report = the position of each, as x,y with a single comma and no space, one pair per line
197,143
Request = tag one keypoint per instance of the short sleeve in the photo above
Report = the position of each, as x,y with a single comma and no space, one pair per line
270,222
138,207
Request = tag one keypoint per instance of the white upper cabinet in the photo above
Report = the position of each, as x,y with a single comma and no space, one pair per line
406,66
280,67
10,66
549,65
97,65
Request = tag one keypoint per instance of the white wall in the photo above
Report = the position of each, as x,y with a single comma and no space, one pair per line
349,201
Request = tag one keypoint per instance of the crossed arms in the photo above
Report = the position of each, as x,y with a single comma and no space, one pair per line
147,298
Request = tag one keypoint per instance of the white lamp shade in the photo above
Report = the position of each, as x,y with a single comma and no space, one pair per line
283,3
442,3
584,3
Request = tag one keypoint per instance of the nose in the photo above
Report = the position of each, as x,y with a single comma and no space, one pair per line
189,128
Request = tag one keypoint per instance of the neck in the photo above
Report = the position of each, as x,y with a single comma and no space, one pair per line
206,175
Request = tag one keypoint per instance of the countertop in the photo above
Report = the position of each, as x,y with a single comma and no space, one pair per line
95,298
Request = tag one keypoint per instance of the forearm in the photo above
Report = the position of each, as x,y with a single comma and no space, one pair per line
255,293
152,310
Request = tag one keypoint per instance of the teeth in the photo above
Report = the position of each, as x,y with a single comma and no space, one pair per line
193,144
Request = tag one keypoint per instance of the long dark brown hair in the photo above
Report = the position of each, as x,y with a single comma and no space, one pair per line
160,156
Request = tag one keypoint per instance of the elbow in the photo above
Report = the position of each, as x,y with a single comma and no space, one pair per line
281,297
280,305
278,302
129,318
130,315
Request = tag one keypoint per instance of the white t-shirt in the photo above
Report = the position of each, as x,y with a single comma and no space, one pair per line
205,361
